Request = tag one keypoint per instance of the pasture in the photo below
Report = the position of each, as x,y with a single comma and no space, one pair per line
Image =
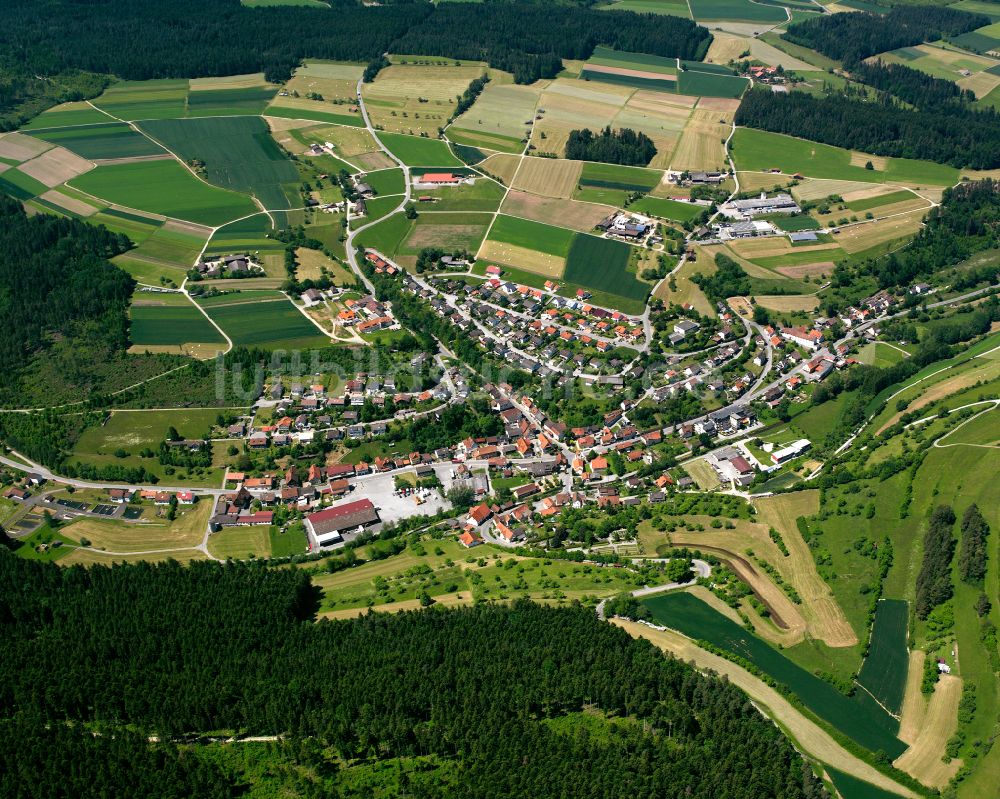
602,265
238,153
164,187
263,319
699,82
858,717
108,140
386,181
883,674
760,151
419,151
483,195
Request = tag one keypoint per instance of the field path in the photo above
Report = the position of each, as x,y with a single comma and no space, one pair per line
806,734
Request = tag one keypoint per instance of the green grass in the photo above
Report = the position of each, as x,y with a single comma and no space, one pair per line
983,40
59,117
272,3
667,83
883,199
164,187
419,151
289,542
108,140
674,8
468,142
792,224
44,535
151,99
602,264
759,151
386,181
483,195
992,10
851,787
238,153
532,235
227,102
735,10
605,56
858,717
19,185
668,209
884,670
615,176
247,234
171,324
264,321
387,235
702,83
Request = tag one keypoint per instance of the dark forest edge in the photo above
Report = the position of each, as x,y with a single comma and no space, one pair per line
592,705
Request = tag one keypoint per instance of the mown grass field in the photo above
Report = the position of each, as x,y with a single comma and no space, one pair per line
238,153
760,151
241,543
613,176
483,195
164,187
532,235
419,151
386,181
858,717
668,209
264,320
884,670
496,120
187,530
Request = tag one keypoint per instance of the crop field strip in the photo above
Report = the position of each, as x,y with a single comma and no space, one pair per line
883,673
601,264
418,151
107,140
159,324
266,321
858,717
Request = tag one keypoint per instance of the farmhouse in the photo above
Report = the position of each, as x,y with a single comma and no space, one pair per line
779,204
328,526
440,179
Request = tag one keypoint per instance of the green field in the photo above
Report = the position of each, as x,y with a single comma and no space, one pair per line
884,670
990,9
164,187
601,264
419,151
315,115
246,235
238,153
735,10
263,319
883,199
288,542
227,102
107,140
668,209
149,99
759,151
981,40
66,115
851,787
613,176
675,8
386,181
605,56
19,185
483,195
387,235
791,224
665,84
700,82
859,717
532,235
171,324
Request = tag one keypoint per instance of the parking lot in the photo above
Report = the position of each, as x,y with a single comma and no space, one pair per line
381,490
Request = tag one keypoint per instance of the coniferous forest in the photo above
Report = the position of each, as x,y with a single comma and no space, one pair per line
623,146
497,694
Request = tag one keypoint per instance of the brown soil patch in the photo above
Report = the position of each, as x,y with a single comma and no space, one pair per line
809,736
56,166
192,228
562,213
374,161
806,270
923,759
638,73
741,305
427,235
756,181
18,147
280,124
718,104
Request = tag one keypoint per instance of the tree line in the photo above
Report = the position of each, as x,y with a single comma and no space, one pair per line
934,585
956,136
45,44
855,36
912,86
624,146
475,687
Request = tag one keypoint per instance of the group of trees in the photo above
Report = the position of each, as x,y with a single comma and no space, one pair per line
853,37
972,559
955,136
728,280
469,687
934,580
624,146
912,86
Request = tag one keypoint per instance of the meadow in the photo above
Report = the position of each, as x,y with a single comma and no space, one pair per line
419,151
858,717
66,115
668,209
164,187
532,235
735,10
263,319
760,151
238,153
613,176
241,543
386,181
152,99
496,120
483,195
699,82
161,324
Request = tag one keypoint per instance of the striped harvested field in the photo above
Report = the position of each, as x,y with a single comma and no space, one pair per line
549,177
502,166
820,188
541,263
702,142
788,303
860,237
806,270
553,211
56,166
923,759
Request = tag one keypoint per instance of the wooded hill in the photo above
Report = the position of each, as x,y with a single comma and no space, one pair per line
498,692
198,38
